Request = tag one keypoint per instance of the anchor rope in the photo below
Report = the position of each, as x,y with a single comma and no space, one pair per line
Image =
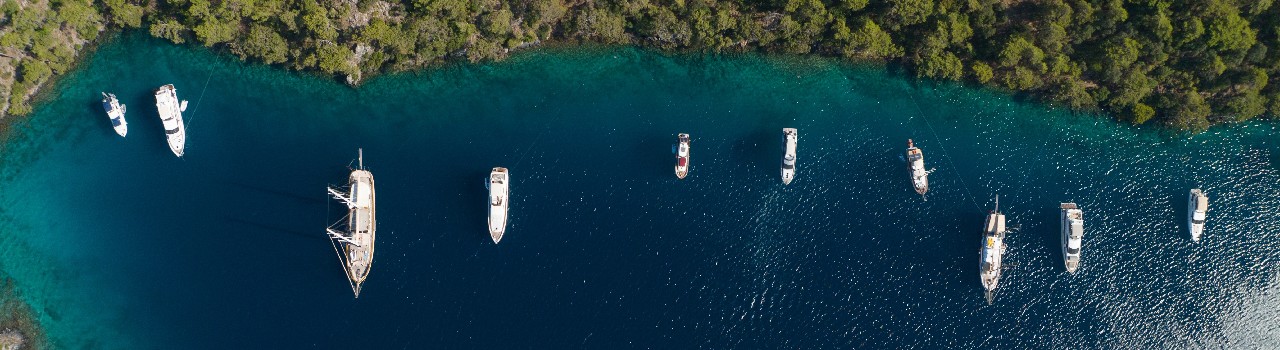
198,100
943,147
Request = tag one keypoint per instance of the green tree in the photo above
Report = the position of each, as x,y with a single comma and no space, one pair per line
942,66
213,31
909,12
869,41
124,14
981,72
1140,113
264,44
169,29
334,58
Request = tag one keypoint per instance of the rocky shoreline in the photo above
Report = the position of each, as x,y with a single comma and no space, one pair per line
19,326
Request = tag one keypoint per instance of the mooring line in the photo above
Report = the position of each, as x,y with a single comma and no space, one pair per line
198,100
944,150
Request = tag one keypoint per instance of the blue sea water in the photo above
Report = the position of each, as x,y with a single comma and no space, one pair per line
118,244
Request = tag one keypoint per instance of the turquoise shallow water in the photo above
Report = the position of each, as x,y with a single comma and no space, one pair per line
118,244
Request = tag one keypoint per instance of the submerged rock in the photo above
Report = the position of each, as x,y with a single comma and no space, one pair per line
11,339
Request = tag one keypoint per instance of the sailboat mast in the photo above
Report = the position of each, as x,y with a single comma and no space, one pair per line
361,156
997,203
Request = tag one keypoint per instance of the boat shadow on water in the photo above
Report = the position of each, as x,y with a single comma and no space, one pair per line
656,156
310,200
764,147
317,235
474,187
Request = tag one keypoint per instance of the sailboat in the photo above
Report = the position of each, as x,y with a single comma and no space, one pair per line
992,251
353,236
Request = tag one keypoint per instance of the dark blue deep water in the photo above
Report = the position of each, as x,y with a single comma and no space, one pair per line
118,244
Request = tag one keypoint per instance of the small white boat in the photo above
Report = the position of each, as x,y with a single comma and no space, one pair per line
498,202
789,158
354,239
1072,220
915,162
170,109
1197,210
115,111
992,251
682,156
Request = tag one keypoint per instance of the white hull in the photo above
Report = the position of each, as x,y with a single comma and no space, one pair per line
499,201
992,252
358,238
915,163
115,112
789,157
1072,227
682,156
1197,211
171,116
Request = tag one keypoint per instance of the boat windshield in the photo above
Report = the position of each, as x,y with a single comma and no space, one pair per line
115,121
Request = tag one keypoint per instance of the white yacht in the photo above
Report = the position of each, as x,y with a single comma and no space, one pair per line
915,161
498,202
789,158
1072,219
682,156
115,111
353,236
992,250
1197,209
171,115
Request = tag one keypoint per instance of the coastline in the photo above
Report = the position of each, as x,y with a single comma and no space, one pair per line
1087,57
857,117
19,327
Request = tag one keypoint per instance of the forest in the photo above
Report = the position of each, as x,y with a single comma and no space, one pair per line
1179,64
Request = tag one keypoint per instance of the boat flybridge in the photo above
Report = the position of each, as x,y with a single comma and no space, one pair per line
170,110
682,156
1072,235
1197,210
353,236
992,250
499,200
789,158
915,161
115,111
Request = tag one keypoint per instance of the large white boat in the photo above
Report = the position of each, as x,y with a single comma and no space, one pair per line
789,158
992,250
499,199
915,161
1197,210
353,236
1072,220
115,111
682,156
170,110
